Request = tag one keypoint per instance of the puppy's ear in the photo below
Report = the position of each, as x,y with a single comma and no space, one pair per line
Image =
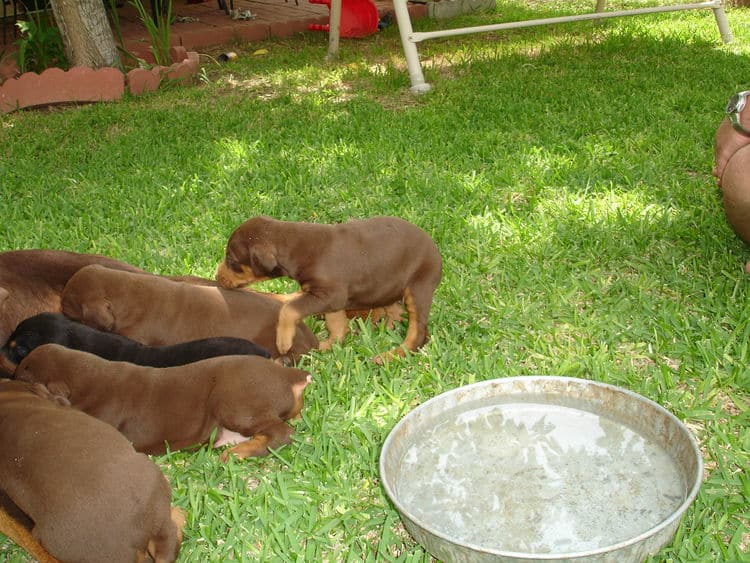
263,259
98,314
56,391
60,392
4,294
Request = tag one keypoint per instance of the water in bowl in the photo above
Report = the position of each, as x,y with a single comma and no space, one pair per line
537,478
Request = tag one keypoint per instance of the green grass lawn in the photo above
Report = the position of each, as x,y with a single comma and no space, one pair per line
563,171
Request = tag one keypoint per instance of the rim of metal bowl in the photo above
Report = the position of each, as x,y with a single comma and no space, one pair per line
697,478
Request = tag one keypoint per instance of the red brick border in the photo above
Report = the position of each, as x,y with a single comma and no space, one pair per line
86,85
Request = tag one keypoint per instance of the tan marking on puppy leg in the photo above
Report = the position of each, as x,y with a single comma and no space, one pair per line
411,342
164,547
286,328
337,324
256,446
23,538
179,517
273,435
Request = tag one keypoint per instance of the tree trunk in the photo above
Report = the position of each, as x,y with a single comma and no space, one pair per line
86,33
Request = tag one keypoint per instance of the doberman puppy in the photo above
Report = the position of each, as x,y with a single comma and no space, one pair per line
157,311
31,281
363,264
56,328
241,396
91,497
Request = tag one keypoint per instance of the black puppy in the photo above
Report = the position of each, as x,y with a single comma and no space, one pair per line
55,328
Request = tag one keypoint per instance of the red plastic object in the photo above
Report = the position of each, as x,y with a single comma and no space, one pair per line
359,18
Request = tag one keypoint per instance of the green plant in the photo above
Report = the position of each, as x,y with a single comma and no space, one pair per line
158,27
40,45
114,19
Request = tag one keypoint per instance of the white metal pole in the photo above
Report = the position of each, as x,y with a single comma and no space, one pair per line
334,30
721,21
418,85
409,38
421,36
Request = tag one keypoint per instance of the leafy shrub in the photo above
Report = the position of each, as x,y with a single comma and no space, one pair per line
40,45
158,27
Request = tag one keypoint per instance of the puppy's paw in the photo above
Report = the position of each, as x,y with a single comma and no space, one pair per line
393,314
386,357
380,359
327,344
255,447
286,328
284,340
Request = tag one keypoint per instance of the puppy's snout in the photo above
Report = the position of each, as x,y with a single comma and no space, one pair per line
224,276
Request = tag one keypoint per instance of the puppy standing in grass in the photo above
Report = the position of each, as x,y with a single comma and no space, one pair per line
355,265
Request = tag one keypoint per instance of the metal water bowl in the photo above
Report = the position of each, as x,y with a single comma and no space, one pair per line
541,468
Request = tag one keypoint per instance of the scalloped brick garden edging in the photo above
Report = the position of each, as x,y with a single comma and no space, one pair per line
85,85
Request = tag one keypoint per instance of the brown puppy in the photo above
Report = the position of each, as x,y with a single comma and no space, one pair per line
157,311
241,396
31,282
731,166
91,497
355,265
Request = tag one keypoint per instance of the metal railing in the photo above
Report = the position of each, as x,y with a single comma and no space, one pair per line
410,38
